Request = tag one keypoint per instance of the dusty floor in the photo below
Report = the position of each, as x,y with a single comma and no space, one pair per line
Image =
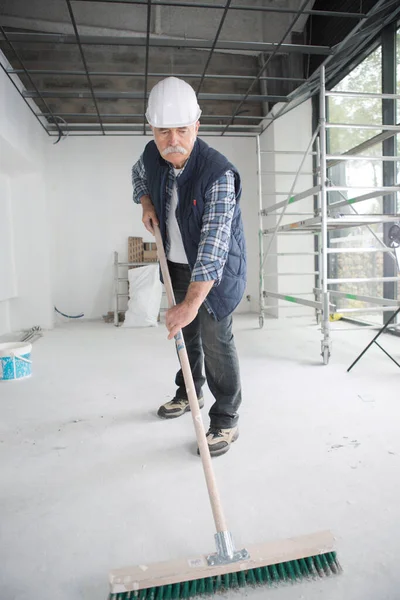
92,479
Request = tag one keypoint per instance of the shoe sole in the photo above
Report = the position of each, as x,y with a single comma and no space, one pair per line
166,415
223,450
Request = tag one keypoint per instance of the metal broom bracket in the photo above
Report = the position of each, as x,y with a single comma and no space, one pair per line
226,552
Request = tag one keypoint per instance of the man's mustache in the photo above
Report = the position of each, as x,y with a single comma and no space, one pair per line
174,149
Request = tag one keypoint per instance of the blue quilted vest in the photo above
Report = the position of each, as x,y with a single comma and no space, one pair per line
204,167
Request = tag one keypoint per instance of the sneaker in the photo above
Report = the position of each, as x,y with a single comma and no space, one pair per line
176,407
219,440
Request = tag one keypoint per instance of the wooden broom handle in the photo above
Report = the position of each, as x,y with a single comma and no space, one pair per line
213,493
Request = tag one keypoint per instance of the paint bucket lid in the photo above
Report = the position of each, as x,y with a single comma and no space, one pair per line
19,348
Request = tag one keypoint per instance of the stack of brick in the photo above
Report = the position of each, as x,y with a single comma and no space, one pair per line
135,249
140,252
150,252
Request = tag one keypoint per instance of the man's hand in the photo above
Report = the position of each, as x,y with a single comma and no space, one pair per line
149,217
178,317
184,313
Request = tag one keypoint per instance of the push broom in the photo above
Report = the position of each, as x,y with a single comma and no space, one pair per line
227,568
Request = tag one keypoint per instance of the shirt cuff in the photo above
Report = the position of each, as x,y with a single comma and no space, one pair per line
209,272
137,196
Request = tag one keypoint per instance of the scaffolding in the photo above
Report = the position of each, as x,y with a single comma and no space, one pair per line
327,216
118,281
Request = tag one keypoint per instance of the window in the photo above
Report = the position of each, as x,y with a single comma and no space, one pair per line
398,113
398,121
366,77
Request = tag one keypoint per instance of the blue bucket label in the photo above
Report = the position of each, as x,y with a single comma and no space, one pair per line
19,369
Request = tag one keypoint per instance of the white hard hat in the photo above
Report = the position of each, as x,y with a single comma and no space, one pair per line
172,103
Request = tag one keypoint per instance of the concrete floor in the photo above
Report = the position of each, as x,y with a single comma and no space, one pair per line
92,479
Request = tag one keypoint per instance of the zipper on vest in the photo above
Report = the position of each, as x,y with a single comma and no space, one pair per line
179,221
205,302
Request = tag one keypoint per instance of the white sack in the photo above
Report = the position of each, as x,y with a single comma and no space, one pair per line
145,291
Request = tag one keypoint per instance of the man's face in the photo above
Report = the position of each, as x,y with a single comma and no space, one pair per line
176,144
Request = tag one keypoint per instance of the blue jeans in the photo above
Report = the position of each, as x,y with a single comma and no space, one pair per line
210,342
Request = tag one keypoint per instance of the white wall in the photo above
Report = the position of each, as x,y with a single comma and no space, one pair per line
25,277
69,206
291,132
7,266
92,214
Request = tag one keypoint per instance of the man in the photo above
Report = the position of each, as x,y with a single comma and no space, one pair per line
192,192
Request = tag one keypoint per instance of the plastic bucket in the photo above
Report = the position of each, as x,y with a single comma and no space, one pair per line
15,361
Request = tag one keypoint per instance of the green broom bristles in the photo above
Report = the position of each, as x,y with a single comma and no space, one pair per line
290,571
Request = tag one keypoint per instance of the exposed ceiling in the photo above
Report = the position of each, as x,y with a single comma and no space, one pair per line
86,67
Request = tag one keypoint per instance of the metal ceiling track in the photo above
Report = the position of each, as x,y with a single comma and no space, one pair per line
106,95
237,7
334,60
162,42
78,41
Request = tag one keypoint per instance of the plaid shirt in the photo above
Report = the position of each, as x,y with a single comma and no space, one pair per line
220,201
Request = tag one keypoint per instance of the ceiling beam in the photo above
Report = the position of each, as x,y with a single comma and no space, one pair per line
139,127
157,42
224,15
241,7
73,21
129,74
107,95
139,115
288,31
